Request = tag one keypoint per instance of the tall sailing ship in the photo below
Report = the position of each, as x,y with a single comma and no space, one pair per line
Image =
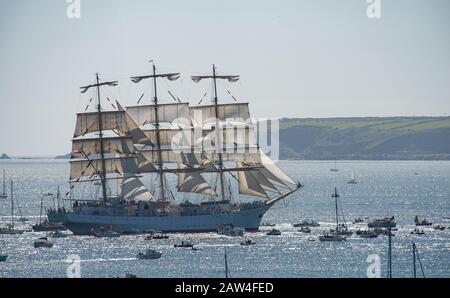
204,146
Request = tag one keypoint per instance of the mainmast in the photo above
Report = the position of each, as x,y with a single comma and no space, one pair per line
336,196
170,76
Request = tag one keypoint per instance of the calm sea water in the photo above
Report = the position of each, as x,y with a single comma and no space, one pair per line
401,188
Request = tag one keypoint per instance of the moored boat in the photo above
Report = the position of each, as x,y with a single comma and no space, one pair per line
423,222
307,223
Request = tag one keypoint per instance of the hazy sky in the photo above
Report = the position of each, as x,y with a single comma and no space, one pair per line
310,58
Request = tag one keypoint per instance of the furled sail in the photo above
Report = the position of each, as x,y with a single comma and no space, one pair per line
201,115
89,167
116,145
88,122
131,188
170,112
193,182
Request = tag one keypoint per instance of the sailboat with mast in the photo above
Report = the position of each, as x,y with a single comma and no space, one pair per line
194,143
352,178
335,234
335,169
4,195
10,228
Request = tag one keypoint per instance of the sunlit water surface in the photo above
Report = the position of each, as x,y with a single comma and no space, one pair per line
402,188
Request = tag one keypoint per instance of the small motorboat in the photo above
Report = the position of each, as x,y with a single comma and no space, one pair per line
183,244
195,248
417,232
149,254
305,230
248,242
332,237
274,232
104,232
423,222
367,234
439,228
43,242
229,230
307,223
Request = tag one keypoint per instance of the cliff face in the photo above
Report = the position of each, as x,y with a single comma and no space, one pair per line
413,138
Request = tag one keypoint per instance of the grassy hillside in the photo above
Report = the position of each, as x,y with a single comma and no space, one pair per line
366,138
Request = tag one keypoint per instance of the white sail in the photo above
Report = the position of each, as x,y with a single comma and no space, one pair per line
144,165
145,114
88,122
249,184
115,145
133,129
131,188
193,182
88,168
201,115
168,136
278,173
242,135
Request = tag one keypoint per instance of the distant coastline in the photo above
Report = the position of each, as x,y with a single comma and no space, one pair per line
356,138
